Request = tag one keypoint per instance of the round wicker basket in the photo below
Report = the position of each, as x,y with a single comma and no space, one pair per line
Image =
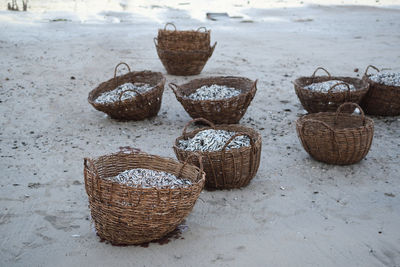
225,169
127,215
336,138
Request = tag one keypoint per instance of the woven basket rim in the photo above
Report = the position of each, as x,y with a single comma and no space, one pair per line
93,95
151,189
242,94
392,87
300,84
185,52
256,136
314,116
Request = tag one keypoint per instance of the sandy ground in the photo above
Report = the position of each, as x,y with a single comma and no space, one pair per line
295,212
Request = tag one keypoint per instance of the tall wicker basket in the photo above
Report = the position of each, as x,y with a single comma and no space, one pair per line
381,99
336,138
127,215
313,101
225,169
142,106
225,111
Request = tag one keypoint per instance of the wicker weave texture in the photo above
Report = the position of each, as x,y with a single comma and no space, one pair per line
336,138
225,111
144,105
225,169
314,102
126,215
381,99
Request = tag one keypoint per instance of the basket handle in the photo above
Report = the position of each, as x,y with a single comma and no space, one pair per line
233,137
370,66
196,120
130,90
169,23
205,29
119,64
249,96
338,111
155,40
199,157
320,68
172,85
341,83
212,49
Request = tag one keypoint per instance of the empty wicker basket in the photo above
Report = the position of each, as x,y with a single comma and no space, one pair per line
336,138
184,52
225,169
127,215
225,111
142,106
314,101
381,99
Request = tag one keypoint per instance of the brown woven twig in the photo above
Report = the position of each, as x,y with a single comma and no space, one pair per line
336,137
383,100
225,169
225,111
130,215
314,101
142,106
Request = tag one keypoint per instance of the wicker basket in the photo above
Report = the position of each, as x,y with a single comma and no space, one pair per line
183,40
225,111
313,101
381,99
336,138
225,169
127,215
144,105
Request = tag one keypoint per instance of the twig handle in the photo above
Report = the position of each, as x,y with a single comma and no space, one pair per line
199,157
341,83
155,40
119,64
196,120
205,29
129,90
320,68
169,23
233,137
342,106
174,87
212,49
370,66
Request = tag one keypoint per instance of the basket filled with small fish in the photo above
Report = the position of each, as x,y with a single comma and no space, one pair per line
221,100
133,96
230,153
184,52
383,97
327,93
337,137
135,197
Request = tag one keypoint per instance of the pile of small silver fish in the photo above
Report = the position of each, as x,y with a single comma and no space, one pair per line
113,96
386,78
324,87
145,178
213,140
214,92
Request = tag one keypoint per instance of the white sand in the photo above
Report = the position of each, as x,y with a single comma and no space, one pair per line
295,212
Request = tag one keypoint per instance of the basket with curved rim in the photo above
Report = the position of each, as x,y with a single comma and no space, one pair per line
383,100
336,137
224,111
184,62
225,169
175,40
126,215
142,106
314,101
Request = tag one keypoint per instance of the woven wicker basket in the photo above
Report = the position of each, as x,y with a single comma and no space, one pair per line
313,101
381,99
225,111
336,138
127,215
183,40
229,169
144,105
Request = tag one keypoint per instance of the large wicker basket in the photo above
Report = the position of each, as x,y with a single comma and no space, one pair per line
225,169
127,215
313,101
225,111
381,99
336,138
144,105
